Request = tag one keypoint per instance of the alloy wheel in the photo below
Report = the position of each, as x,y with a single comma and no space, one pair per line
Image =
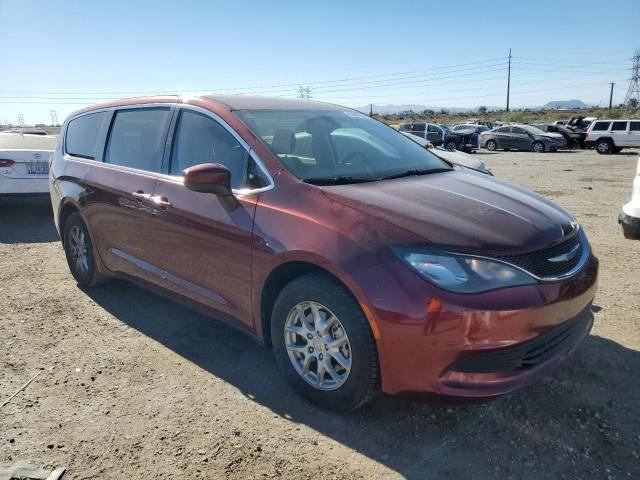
318,346
79,249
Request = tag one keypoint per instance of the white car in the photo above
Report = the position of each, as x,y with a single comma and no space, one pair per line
456,157
24,163
611,136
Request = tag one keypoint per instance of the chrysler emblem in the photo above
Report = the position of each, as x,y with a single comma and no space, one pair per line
565,257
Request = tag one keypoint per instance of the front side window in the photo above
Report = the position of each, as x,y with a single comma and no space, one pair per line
330,144
200,139
137,138
619,127
601,126
518,131
82,135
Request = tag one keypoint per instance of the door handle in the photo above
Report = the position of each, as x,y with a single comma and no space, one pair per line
140,195
162,202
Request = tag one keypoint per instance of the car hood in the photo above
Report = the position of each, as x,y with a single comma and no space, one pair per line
460,158
462,211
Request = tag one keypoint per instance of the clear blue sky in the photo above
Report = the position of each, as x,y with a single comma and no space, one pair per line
62,54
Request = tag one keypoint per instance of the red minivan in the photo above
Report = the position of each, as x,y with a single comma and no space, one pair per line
367,263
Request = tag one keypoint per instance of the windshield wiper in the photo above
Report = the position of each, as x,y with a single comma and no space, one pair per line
410,173
339,180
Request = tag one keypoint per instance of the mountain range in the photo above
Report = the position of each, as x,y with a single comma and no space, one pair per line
392,108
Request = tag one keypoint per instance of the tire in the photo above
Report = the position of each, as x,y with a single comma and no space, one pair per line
491,145
537,147
353,387
76,238
450,145
604,146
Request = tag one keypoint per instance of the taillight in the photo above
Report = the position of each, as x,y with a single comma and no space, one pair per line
6,163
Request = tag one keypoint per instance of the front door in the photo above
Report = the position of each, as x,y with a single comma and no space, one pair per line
202,242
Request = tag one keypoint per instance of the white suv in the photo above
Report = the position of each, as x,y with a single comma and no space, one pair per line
611,136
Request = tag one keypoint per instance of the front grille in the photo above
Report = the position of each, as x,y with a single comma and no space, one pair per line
538,262
531,353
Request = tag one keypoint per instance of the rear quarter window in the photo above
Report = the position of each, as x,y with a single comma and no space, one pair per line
600,126
82,135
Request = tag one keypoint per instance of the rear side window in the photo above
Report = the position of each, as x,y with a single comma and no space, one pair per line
600,126
619,126
137,138
419,127
200,139
82,135
634,127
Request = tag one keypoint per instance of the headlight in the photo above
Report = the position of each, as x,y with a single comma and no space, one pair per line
462,273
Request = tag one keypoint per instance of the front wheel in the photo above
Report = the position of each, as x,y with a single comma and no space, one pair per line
537,147
323,343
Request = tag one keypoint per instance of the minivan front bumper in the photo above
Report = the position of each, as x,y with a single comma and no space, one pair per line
438,342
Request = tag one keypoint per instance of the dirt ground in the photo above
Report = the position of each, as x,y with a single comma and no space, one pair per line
135,386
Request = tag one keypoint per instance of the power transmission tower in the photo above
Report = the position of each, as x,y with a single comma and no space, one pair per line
304,93
21,120
633,93
54,117
509,80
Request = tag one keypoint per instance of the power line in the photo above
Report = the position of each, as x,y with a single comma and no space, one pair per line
234,88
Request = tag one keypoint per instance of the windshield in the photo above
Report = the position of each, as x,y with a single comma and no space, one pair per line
348,146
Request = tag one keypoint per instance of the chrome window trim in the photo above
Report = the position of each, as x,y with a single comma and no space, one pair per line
245,145
586,252
164,176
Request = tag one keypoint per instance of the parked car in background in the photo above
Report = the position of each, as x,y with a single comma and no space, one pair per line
455,157
472,130
574,138
24,163
366,262
439,135
521,137
611,136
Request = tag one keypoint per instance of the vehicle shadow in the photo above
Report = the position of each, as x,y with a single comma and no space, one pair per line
584,407
26,220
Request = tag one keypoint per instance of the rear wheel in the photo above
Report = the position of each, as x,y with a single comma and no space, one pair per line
491,145
323,343
604,146
79,252
537,147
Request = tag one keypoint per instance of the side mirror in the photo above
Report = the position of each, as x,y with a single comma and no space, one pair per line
430,146
208,178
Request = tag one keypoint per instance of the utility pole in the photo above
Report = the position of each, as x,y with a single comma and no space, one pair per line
509,80
371,109
611,96
21,120
634,84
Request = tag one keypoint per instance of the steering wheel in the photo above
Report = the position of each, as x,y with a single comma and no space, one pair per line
355,159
